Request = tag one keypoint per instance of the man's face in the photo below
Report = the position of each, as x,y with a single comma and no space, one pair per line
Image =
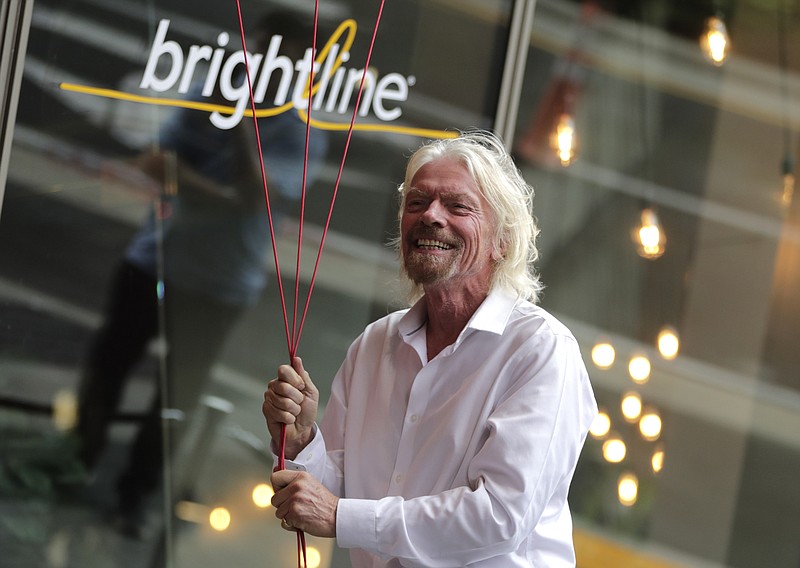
446,228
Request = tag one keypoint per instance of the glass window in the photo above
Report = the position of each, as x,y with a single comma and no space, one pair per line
138,294
666,210
139,298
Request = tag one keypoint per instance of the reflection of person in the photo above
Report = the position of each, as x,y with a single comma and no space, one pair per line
453,427
210,244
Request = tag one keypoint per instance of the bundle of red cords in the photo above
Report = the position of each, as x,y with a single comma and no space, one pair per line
293,336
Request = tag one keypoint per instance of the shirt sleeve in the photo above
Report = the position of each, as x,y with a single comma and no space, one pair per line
518,479
318,461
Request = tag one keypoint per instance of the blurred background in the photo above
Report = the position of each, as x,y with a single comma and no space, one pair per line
140,313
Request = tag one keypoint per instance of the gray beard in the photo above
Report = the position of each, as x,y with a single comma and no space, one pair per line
422,269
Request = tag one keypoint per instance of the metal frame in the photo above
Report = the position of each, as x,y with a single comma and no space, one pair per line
15,20
519,34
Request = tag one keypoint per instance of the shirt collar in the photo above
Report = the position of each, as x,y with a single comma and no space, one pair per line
492,315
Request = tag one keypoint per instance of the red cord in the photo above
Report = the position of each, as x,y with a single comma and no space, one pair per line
293,337
296,333
263,173
341,166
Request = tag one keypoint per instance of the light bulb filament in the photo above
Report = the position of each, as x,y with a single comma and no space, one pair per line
649,236
715,41
564,140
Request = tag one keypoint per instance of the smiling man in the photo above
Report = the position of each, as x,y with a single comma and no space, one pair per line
454,427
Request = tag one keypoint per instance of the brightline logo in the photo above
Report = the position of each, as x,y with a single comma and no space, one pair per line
334,90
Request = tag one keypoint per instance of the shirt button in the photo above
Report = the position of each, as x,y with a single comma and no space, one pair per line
414,417
398,478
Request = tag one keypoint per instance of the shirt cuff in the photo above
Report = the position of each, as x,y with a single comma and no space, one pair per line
355,524
314,448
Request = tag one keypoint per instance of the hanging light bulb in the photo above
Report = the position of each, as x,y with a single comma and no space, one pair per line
715,42
603,355
601,424
788,183
262,495
614,449
668,343
313,557
219,519
657,459
564,140
631,406
65,410
639,369
650,425
628,488
649,236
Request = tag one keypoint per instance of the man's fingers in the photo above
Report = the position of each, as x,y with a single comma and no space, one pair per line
280,480
290,376
308,385
297,365
283,388
281,416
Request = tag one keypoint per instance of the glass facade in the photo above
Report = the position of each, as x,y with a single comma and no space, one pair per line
137,274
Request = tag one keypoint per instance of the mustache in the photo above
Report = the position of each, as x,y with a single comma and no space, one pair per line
434,234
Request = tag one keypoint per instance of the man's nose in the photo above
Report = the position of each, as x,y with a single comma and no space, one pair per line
435,215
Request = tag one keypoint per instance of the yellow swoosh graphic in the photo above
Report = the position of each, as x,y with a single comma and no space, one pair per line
211,107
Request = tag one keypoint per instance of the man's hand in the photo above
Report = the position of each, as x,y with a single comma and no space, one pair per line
303,503
291,399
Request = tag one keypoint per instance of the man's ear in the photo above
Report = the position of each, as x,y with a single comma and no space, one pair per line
499,250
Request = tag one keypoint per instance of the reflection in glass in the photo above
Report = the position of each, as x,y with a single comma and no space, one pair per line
668,343
631,406
715,42
603,355
262,495
649,235
601,425
650,425
219,519
639,368
628,489
564,140
657,460
614,449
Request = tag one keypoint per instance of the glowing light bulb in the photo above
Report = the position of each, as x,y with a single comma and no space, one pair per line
715,42
650,425
628,489
65,410
262,495
787,195
313,557
601,425
649,236
668,343
631,406
657,461
614,449
564,140
219,519
603,355
639,369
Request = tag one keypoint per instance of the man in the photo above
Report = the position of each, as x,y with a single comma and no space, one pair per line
454,427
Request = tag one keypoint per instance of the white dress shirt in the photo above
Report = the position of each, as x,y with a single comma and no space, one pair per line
463,460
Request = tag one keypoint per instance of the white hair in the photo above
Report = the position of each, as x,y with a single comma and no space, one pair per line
509,197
